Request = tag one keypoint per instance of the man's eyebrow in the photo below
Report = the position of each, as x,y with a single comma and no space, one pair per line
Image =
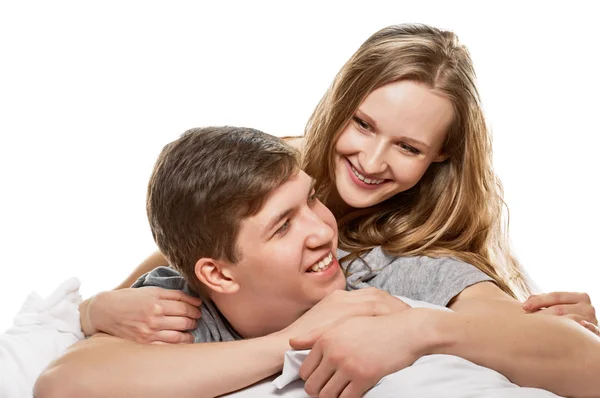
284,214
275,220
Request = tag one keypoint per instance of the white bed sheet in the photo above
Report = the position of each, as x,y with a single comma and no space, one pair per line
431,376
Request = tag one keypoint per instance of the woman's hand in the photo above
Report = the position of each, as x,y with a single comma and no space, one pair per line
143,315
577,306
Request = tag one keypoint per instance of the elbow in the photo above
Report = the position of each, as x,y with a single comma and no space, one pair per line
54,383
46,386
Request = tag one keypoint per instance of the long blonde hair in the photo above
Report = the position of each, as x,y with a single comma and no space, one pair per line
457,207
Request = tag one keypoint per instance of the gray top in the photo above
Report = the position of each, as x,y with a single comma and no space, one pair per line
433,280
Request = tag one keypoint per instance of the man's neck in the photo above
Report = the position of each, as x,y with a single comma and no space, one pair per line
251,319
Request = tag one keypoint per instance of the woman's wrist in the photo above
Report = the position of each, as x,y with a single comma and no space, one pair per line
88,326
428,330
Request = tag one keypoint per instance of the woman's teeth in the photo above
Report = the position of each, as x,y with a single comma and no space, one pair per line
364,179
323,264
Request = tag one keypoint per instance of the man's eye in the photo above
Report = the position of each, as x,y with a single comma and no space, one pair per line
283,228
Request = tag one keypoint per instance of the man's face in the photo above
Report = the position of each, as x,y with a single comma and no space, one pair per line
288,250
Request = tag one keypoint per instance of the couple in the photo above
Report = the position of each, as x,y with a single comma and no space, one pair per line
418,216
232,211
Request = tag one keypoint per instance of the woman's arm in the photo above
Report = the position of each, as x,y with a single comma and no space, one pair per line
491,329
488,328
297,142
144,315
141,315
156,259
574,305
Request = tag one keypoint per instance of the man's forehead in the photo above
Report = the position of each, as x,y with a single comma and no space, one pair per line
289,195
295,183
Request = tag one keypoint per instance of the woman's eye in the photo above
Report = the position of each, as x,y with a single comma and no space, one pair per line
361,123
410,149
283,228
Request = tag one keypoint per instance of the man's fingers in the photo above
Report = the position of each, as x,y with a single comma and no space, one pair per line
310,364
307,341
303,342
318,379
336,385
353,390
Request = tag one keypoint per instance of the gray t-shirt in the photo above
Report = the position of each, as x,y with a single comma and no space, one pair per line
433,280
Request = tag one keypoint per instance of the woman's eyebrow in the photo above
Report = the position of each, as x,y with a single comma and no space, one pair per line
373,124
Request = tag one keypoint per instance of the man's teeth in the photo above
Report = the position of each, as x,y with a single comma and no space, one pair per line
323,264
363,179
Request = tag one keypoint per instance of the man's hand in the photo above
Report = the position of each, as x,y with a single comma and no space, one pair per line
351,357
341,305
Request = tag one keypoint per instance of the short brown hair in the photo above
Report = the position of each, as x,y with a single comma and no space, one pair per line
204,184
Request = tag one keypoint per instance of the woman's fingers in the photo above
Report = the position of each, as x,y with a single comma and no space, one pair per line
179,308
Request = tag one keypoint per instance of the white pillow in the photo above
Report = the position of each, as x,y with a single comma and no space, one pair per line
431,376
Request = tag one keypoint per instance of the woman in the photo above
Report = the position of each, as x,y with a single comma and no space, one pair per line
401,154
439,195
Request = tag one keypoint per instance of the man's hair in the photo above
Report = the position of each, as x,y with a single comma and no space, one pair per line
204,184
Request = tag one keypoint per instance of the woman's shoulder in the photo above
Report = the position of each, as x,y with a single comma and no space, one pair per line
435,280
415,268
297,142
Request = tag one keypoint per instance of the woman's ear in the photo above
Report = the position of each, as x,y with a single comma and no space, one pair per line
441,157
215,276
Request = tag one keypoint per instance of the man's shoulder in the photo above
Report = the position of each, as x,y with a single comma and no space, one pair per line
164,277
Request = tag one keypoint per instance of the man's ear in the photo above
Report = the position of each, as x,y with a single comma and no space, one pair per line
216,276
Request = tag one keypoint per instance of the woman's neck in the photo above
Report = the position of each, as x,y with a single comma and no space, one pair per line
336,204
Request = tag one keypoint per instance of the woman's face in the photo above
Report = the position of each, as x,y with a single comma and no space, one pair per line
392,138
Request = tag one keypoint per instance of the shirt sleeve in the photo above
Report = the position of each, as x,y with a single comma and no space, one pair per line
212,326
433,280
442,279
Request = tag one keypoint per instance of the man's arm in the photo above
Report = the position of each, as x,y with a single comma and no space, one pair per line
107,366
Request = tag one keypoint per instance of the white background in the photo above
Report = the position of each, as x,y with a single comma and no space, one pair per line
90,92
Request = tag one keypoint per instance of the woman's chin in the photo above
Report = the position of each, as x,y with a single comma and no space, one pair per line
358,201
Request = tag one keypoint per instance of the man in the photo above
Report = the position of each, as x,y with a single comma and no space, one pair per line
233,213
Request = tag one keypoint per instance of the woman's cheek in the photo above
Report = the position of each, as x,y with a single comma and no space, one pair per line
349,141
408,172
